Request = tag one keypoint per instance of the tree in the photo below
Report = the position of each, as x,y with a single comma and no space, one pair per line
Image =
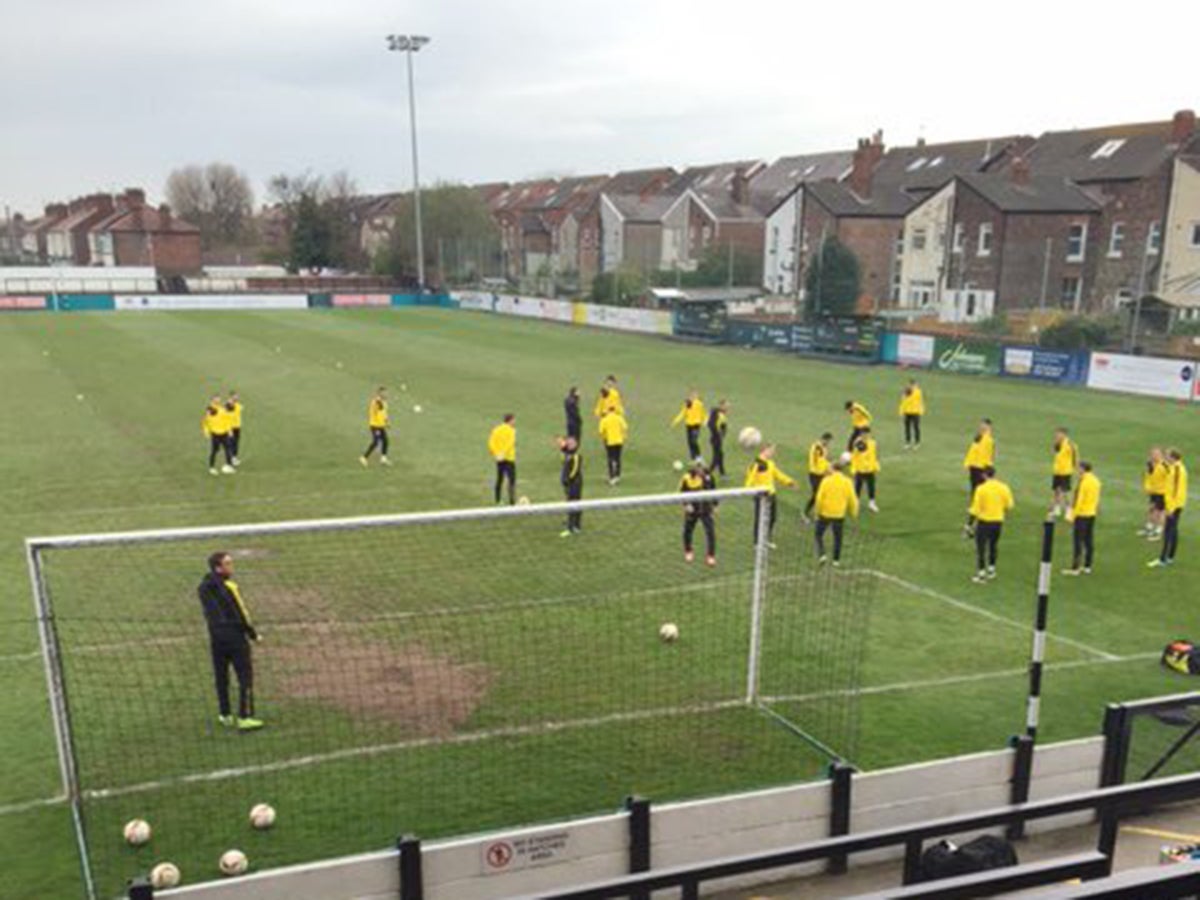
460,235
216,198
1081,333
619,288
320,213
833,282
311,246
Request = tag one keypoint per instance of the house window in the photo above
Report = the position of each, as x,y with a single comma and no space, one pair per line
916,164
970,305
1116,240
959,237
1108,148
1070,291
985,239
918,239
1195,243
1154,239
774,239
1076,240
898,249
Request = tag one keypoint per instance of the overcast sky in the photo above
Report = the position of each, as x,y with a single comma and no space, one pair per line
101,94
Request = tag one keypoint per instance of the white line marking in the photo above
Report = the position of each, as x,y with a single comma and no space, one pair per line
987,614
29,805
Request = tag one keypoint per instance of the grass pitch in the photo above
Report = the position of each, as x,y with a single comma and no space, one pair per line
101,432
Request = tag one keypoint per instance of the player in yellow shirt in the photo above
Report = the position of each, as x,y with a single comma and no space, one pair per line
1174,500
860,418
818,468
502,445
377,421
1084,508
698,478
693,415
912,408
1154,484
989,506
718,424
981,453
763,473
609,399
864,465
835,498
1066,461
216,423
614,431
234,406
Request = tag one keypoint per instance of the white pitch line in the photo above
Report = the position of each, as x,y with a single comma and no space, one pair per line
987,614
29,805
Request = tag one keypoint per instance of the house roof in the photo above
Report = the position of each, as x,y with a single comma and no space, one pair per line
642,207
713,178
922,166
1111,153
148,219
778,181
572,192
523,195
1041,194
84,217
635,181
885,202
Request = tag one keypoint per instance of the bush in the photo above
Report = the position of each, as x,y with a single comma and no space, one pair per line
993,326
1186,329
1082,333
621,288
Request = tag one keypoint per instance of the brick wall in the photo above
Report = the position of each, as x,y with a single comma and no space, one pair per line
874,243
173,254
1136,204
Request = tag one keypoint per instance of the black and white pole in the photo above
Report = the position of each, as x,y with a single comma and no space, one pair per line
1023,744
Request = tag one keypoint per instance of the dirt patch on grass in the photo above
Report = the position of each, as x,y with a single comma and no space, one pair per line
429,694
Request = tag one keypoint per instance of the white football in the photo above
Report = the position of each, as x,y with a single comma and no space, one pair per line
404,387
417,408
233,862
137,832
164,875
750,438
79,396
522,501
677,466
262,816
339,365
668,633
845,458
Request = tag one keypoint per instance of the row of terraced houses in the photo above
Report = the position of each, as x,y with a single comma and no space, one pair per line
1084,219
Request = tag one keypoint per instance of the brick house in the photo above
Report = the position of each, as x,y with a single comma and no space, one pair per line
33,240
511,209
992,242
67,239
1128,170
775,192
550,233
141,235
641,183
1179,283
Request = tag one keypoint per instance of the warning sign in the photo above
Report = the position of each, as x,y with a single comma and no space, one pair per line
525,851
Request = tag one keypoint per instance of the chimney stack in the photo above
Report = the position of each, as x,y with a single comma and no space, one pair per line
1018,170
866,158
135,197
164,218
740,187
1183,126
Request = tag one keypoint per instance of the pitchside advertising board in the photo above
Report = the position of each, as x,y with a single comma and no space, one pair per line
1046,365
1148,375
914,350
23,302
139,302
966,357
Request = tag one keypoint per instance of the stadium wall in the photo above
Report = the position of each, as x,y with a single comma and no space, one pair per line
569,853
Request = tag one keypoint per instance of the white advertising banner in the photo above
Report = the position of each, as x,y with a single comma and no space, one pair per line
914,350
534,308
1149,375
648,321
210,301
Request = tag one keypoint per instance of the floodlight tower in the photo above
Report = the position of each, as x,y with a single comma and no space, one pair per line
408,44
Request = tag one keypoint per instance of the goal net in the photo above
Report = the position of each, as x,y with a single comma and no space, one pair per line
439,674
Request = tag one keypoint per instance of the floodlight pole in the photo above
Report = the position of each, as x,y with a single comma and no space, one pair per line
409,44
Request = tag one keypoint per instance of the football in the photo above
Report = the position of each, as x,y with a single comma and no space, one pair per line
844,459
749,438
677,466
137,832
522,501
262,816
233,862
417,408
668,633
164,875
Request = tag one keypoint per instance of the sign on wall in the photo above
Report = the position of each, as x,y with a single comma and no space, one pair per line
357,300
914,349
134,302
1046,365
1148,375
524,851
22,302
966,357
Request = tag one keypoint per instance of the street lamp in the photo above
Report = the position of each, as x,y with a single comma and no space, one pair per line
408,44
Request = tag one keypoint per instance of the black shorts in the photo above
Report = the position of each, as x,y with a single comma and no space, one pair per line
976,476
1060,483
1158,502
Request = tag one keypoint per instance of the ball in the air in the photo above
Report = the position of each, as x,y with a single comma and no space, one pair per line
262,816
403,387
417,408
79,397
668,633
522,501
233,862
164,875
845,458
677,466
749,438
339,365
137,832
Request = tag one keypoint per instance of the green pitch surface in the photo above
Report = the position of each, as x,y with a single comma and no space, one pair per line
101,432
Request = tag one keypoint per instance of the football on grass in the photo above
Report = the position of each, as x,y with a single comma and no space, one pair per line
262,816
137,832
233,862
668,633
749,438
164,875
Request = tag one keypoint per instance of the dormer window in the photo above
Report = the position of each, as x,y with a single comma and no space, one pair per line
1108,148
916,164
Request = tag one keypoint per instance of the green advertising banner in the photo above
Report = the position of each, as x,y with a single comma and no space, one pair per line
966,357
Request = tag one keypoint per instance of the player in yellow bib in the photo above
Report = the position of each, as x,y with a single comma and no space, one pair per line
912,409
377,421
693,415
217,423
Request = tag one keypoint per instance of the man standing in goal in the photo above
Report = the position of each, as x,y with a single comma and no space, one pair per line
502,445
572,482
230,632
377,421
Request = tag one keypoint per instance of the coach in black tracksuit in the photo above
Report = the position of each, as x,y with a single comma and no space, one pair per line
572,482
574,420
230,632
